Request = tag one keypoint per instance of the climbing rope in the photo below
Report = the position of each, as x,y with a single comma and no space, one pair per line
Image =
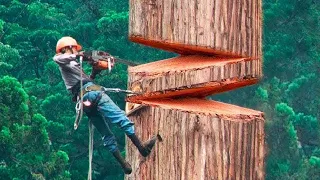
91,132
90,125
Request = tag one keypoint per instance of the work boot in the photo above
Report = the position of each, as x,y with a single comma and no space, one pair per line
145,148
124,164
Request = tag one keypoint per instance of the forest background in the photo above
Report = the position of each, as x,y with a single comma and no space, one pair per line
37,140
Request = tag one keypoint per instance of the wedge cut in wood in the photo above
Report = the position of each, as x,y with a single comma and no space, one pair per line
219,27
194,75
201,139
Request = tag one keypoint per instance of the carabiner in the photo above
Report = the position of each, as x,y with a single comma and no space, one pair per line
78,106
86,89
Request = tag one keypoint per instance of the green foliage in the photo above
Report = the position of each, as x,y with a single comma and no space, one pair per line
314,167
12,100
56,106
284,110
262,94
315,161
308,128
8,57
113,22
35,87
40,12
52,73
1,26
285,159
25,144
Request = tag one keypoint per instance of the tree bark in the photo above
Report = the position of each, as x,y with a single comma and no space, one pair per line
201,140
196,76
220,41
220,27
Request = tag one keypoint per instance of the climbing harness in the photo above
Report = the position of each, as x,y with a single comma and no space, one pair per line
80,103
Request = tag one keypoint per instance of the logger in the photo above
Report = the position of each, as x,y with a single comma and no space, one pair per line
92,99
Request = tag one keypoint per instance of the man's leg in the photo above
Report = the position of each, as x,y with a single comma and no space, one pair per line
109,110
109,141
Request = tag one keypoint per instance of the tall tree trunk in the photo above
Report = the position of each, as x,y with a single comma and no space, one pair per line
220,27
220,43
193,75
201,140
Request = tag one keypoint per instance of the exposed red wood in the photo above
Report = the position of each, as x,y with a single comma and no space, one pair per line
202,91
183,48
182,63
195,105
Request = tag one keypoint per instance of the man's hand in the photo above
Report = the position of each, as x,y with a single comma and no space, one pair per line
99,60
87,56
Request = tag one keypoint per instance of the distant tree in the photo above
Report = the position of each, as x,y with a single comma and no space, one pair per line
26,151
8,58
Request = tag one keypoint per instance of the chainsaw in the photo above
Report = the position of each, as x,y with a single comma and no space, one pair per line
101,60
104,61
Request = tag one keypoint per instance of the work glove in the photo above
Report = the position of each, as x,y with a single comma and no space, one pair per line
87,55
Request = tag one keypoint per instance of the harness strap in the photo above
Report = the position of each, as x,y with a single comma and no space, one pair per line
93,87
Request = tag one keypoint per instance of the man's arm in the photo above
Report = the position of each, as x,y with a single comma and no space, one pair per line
87,56
64,58
94,72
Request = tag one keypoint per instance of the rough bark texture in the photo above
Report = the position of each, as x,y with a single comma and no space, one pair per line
223,27
202,140
195,75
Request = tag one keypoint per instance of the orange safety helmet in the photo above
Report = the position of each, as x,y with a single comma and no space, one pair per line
65,42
